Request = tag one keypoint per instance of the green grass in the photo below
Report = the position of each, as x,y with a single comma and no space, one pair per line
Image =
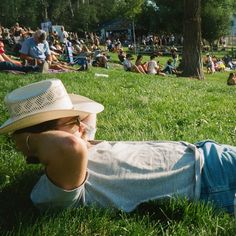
137,107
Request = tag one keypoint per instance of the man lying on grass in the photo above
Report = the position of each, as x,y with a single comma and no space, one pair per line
45,124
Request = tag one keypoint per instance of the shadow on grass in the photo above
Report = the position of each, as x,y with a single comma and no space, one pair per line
162,210
177,210
17,213
16,206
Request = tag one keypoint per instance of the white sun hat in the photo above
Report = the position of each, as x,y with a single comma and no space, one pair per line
43,101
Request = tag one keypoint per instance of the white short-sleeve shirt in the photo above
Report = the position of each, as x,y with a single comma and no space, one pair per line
151,68
123,175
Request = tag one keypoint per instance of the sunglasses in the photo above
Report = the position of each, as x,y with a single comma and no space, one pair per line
73,122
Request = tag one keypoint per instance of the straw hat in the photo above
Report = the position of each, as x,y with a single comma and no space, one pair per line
43,101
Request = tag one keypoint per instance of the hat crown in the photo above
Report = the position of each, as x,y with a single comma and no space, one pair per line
46,95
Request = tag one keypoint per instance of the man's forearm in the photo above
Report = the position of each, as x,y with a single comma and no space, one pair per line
28,58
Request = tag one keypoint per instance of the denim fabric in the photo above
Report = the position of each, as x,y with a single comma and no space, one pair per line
168,69
5,65
218,183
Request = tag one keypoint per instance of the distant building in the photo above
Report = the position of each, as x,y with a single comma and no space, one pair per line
117,28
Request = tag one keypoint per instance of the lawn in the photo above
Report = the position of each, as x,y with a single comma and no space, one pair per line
137,107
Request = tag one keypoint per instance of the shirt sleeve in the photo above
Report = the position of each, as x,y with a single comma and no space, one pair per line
46,195
25,48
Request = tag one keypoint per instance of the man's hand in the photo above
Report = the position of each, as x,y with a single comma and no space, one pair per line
88,127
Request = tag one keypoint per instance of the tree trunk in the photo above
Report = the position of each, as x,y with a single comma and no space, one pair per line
71,8
45,8
192,60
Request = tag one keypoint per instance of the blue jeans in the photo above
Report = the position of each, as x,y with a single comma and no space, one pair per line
168,69
218,182
5,65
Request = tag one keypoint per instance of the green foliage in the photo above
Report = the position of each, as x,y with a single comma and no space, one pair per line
129,8
216,16
76,15
169,16
147,20
215,21
84,15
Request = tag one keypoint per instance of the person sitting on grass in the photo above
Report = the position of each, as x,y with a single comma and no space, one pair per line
169,68
210,65
35,51
228,61
139,62
121,55
9,64
129,66
175,56
101,60
110,174
153,68
219,65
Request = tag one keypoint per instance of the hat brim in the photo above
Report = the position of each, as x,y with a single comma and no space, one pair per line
82,106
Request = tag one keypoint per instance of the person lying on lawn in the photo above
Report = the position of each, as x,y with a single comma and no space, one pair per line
110,174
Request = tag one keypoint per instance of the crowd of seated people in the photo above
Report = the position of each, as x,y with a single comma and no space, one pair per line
129,66
37,48
215,64
229,62
151,67
35,51
113,45
23,43
7,63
